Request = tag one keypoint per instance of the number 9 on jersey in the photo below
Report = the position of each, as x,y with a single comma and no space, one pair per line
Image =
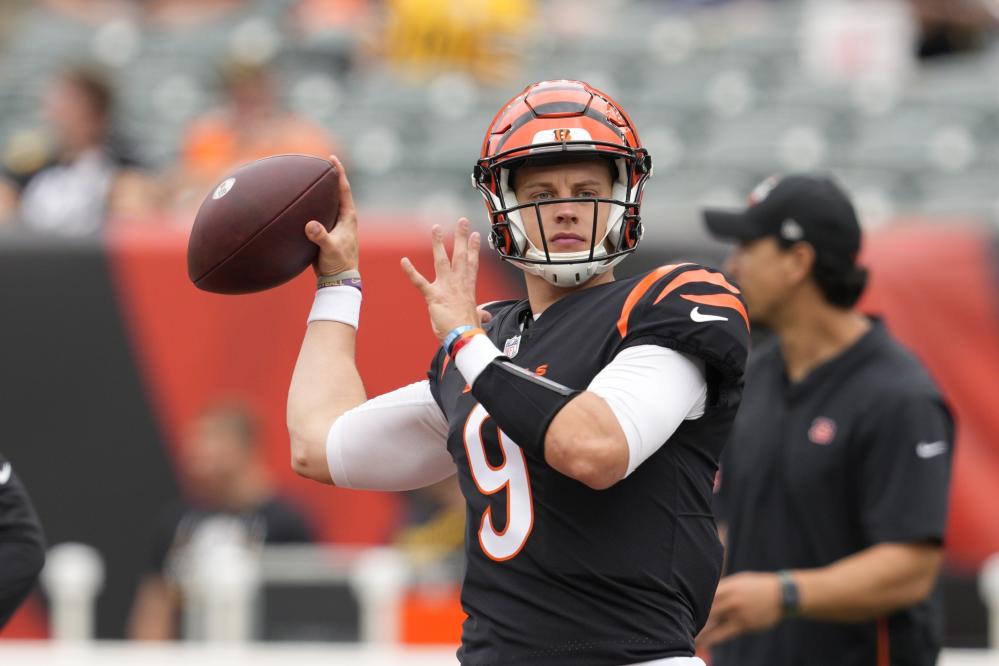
510,476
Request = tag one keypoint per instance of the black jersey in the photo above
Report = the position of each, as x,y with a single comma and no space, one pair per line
558,573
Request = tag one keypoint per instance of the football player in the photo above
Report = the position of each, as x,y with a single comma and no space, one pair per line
584,423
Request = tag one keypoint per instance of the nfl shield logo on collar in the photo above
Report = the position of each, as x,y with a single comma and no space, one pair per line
512,346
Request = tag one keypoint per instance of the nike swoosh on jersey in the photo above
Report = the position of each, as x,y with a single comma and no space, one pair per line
696,315
931,449
5,473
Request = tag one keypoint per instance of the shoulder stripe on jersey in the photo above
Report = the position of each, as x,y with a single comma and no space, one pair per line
638,291
720,301
447,359
716,300
699,275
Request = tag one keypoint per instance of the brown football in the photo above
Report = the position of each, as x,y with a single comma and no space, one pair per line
249,232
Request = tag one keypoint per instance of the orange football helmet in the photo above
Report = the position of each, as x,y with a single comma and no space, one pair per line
553,122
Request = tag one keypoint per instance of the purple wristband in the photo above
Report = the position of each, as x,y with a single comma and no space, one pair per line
342,282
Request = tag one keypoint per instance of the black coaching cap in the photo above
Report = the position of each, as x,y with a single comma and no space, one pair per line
795,208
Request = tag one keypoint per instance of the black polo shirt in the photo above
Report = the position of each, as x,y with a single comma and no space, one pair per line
855,454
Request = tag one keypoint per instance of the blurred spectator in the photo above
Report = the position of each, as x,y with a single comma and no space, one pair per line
482,37
436,529
71,181
93,12
844,41
344,32
175,13
314,17
954,27
231,500
250,125
184,13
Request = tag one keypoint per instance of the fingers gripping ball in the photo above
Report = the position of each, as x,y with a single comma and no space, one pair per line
248,236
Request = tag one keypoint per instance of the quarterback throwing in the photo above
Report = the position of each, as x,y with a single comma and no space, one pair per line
584,423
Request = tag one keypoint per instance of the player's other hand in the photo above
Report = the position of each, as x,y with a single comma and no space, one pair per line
451,296
745,602
337,248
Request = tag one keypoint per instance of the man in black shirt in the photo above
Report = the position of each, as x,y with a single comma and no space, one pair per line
231,500
22,545
834,485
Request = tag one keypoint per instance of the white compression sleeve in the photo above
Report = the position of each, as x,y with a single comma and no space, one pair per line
396,441
651,390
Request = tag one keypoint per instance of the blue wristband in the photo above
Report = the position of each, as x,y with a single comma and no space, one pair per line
453,335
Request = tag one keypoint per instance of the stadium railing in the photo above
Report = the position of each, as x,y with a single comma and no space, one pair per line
222,583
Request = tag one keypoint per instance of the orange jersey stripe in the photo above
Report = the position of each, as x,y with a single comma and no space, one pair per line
638,291
884,647
447,359
720,301
696,276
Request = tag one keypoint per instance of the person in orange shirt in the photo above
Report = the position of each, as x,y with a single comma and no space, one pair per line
250,125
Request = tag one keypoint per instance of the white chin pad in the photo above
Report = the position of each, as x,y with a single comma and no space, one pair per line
569,275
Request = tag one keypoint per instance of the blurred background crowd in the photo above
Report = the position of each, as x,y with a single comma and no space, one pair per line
131,110
118,116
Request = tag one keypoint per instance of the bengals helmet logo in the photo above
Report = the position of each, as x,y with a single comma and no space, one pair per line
563,134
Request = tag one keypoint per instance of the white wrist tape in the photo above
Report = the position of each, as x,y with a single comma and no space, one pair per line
342,304
473,358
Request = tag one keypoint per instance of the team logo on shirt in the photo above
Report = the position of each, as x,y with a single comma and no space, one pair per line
511,346
823,431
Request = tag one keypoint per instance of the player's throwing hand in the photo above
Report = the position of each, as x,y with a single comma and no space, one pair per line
337,247
451,296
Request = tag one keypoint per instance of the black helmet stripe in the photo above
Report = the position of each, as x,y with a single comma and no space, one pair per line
555,107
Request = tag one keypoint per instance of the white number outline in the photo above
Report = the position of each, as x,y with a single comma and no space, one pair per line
513,462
